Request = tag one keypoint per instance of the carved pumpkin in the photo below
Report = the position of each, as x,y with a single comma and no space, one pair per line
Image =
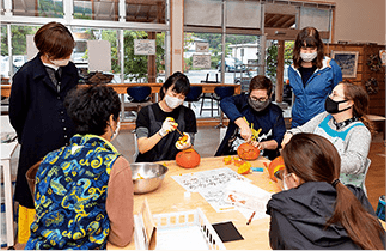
275,166
248,152
188,158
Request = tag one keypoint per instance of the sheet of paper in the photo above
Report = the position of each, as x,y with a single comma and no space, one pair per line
211,185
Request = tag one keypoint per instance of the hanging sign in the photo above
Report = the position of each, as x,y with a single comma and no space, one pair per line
144,47
202,61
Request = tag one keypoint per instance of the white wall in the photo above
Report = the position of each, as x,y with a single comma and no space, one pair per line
361,21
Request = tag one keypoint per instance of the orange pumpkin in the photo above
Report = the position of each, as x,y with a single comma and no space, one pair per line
275,166
248,152
188,158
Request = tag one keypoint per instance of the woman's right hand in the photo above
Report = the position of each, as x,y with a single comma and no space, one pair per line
287,138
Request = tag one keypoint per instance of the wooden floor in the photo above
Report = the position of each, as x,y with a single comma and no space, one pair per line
208,139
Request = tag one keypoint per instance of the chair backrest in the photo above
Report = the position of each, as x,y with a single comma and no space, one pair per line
224,91
194,93
139,93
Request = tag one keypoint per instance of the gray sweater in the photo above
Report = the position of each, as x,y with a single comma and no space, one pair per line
352,142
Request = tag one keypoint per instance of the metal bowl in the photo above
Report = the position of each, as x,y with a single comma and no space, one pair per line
147,176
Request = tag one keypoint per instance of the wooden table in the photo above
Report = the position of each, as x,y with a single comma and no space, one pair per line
170,198
121,88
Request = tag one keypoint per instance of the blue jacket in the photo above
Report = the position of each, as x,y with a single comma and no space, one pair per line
309,100
271,118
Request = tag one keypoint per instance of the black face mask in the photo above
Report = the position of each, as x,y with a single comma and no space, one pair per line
332,106
258,105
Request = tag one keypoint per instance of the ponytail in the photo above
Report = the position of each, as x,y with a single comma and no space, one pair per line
370,125
363,228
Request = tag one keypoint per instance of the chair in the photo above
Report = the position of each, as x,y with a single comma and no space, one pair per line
222,92
194,94
206,96
138,97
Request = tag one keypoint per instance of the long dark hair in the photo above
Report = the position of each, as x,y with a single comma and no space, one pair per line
180,83
360,98
308,38
315,159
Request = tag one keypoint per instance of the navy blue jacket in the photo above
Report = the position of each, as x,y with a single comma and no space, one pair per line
271,118
39,118
309,100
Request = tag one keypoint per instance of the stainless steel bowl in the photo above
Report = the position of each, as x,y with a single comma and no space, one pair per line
147,176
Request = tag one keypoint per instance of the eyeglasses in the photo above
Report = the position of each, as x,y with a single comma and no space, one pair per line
259,99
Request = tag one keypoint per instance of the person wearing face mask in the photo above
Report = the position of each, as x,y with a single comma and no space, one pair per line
312,76
255,108
88,181
317,211
36,109
159,126
344,123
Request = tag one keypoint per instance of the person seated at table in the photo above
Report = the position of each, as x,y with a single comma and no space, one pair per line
318,211
344,123
84,191
159,126
255,108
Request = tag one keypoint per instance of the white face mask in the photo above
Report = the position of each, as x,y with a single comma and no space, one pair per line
308,56
117,129
60,62
173,102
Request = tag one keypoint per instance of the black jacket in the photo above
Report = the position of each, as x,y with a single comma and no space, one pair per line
298,217
37,114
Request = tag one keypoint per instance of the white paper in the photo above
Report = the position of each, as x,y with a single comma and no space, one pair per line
211,185
144,47
99,55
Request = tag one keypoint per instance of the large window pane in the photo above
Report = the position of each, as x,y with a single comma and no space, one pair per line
243,59
41,8
96,10
4,52
19,44
137,68
148,11
80,58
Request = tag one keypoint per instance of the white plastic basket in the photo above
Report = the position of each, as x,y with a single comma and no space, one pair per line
187,230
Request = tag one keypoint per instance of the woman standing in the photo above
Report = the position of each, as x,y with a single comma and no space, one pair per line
318,211
344,123
36,109
159,126
312,76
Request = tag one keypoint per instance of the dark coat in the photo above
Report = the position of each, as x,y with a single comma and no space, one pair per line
39,118
298,218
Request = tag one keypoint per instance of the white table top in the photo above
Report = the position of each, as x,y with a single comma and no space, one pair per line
7,150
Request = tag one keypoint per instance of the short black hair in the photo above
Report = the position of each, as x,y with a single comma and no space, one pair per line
90,108
261,82
180,83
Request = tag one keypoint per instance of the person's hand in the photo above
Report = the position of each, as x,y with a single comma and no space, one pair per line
287,138
183,142
168,126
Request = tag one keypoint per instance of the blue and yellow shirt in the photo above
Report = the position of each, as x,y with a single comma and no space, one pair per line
71,191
